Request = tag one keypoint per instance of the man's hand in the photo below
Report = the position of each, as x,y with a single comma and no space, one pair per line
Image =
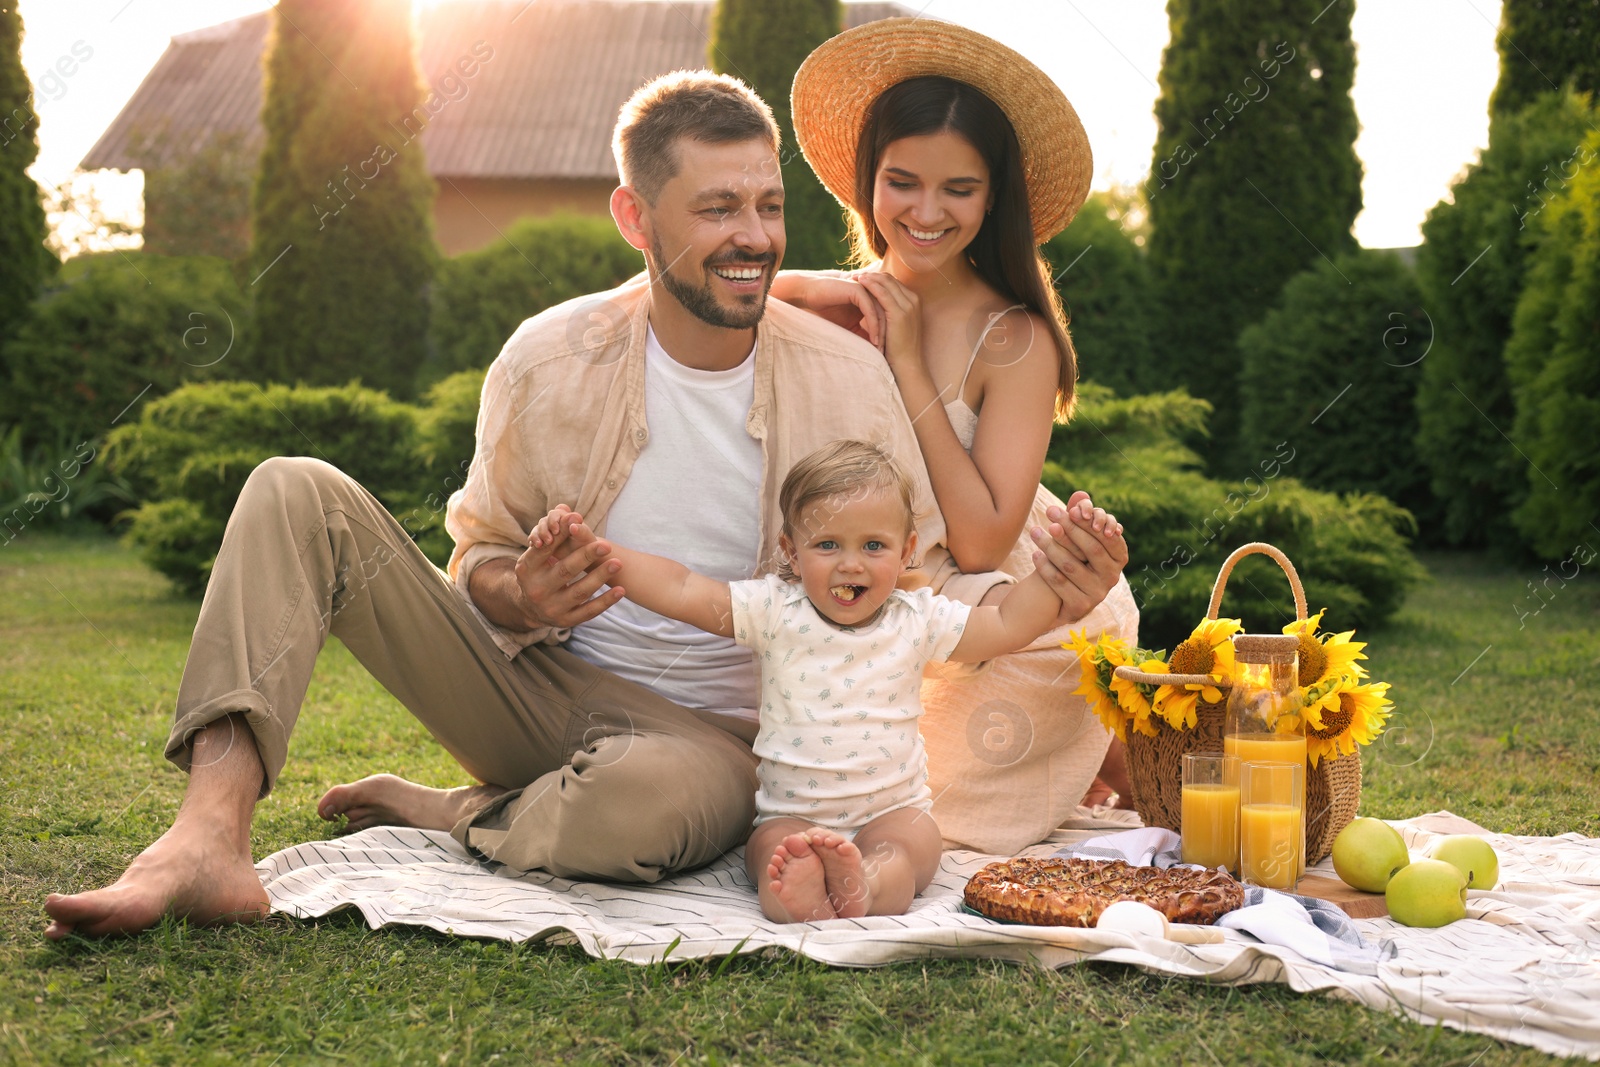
562,569
1084,555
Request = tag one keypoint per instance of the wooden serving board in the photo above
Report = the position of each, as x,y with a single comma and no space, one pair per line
1356,904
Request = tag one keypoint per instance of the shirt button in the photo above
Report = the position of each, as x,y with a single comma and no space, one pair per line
611,483
641,435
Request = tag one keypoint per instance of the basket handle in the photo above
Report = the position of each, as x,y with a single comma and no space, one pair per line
1254,548
1258,548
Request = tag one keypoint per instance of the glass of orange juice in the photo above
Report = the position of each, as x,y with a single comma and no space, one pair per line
1271,823
1211,810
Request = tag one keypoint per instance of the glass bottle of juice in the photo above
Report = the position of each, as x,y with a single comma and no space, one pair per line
1263,720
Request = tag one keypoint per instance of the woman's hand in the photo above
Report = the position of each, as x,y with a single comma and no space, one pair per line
902,311
1086,550
841,301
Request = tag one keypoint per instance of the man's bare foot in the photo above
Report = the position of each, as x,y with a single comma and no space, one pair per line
846,875
798,885
385,800
193,871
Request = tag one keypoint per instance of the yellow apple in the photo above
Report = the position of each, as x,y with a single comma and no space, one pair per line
1367,853
1472,856
1427,893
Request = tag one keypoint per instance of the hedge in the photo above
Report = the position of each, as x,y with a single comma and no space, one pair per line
1333,369
1104,285
480,298
190,453
1129,454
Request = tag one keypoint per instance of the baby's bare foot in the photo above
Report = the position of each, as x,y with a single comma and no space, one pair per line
848,890
798,885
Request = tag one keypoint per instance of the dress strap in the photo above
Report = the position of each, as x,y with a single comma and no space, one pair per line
961,390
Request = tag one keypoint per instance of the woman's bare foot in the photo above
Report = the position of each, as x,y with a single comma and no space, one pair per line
849,891
194,871
385,800
797,884
1098,794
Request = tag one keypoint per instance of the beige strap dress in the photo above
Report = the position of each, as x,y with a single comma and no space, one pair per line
1011,749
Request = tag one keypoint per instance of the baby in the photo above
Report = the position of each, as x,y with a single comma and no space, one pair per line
843,826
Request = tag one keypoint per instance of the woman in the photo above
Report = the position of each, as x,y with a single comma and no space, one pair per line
956,158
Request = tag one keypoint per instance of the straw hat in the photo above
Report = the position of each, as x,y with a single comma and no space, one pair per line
838,82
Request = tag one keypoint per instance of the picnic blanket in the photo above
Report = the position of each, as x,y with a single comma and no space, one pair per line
1523,967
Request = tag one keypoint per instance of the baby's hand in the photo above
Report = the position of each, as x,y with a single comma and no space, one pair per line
1104,524
553,527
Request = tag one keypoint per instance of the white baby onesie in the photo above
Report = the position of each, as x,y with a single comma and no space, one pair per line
839,707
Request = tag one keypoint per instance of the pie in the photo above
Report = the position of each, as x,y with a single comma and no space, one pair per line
1073,892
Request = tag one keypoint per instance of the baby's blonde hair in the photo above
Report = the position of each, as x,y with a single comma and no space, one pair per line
843,469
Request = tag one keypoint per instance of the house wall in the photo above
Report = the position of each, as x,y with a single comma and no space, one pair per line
470,213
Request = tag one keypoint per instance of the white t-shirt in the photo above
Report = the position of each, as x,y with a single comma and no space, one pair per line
839,706
694,496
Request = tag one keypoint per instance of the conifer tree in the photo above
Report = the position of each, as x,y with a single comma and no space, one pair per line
1471,266
1254,179
1544,45
342,252
763,42
24,260
1553,362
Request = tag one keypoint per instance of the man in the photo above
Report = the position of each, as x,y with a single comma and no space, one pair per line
666,412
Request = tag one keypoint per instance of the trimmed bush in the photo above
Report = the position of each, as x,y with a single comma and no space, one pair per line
446,439
1553,360
1333,370
117,332
190,453
1351,550
480,298
1100,273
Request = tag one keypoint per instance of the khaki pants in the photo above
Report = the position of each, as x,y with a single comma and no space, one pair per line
616,782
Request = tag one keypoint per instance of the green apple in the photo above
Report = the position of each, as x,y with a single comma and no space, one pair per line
1427,893
1472,856
1367,853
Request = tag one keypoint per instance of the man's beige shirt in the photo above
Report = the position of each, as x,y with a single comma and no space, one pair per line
562,420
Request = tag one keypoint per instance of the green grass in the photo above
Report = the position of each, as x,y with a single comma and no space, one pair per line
91,648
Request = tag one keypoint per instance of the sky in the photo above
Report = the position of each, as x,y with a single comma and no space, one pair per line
1424,72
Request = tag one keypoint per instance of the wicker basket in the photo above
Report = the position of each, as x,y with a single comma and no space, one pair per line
1155,764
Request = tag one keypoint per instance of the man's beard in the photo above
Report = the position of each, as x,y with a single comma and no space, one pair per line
701,301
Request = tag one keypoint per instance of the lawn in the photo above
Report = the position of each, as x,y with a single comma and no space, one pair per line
1494,725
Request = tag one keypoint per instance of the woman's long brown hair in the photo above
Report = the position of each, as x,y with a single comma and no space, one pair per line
1003,252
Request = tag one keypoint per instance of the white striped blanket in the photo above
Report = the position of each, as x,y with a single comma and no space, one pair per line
1523,967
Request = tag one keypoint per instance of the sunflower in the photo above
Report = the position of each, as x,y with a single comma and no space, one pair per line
1136,697
1116,702
1096,661
1343,714
1326,657
1207,651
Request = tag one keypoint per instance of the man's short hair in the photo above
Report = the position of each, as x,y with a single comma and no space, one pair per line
712,108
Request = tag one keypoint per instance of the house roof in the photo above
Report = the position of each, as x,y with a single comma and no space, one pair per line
543,106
